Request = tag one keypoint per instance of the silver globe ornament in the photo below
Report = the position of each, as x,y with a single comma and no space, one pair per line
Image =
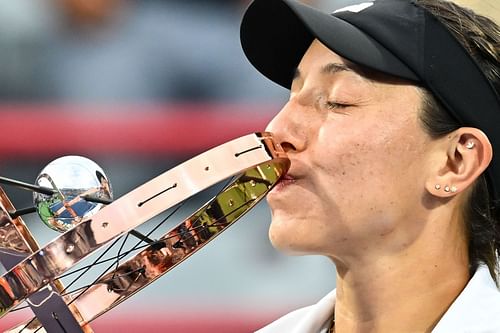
81,188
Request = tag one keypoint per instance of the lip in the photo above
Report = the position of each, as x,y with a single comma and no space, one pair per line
298,170
286,181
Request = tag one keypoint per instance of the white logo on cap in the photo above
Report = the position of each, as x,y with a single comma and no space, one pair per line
355,8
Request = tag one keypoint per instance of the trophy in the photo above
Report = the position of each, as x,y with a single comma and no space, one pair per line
73,196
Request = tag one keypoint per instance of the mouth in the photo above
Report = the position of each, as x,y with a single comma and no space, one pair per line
284,182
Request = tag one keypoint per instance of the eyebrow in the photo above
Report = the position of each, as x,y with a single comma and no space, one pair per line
333,68
330,68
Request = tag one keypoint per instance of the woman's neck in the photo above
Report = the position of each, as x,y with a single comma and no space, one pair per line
405,292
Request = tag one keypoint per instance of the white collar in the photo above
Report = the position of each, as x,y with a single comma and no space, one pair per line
475,310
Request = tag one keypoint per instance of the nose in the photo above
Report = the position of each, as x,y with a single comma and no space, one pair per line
288,128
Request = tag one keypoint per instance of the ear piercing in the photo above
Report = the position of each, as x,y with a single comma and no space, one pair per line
447,189
453,189
469,144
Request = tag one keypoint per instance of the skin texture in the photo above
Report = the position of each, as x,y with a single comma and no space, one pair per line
361,190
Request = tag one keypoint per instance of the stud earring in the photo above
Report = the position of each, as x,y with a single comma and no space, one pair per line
469,144
453,189
437,186
447,188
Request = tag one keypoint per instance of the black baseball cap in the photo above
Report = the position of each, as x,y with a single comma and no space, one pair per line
396,37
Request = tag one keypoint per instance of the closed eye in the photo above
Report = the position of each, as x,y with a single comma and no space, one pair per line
330,105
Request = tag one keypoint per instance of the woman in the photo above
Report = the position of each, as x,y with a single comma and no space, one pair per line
391,126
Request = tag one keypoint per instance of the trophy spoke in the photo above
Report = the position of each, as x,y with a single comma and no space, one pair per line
154,244
26,186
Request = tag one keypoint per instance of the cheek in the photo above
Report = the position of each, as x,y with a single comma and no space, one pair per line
367,150
362,170
346,157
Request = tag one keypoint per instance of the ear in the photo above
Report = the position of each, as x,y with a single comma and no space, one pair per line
468,153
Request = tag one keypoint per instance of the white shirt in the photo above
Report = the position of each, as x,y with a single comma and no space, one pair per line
476,310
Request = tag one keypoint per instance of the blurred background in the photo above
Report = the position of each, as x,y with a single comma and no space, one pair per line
140,86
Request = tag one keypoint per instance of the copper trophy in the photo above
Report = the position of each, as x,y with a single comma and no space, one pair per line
73,195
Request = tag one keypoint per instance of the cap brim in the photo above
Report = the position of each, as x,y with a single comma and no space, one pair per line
275,34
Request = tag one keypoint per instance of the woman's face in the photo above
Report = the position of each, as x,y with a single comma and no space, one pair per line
358,162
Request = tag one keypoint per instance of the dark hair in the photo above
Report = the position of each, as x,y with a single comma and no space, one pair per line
480,36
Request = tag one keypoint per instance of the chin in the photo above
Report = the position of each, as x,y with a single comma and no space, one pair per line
307,234
280,233
285,237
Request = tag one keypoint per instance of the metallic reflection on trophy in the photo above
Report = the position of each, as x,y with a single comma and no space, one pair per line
71,191
80,189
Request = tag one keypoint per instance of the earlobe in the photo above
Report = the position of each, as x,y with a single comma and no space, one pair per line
468,154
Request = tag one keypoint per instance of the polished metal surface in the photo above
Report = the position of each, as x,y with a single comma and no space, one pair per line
13,247
74,179
176,245
255,156
15,238
16,243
